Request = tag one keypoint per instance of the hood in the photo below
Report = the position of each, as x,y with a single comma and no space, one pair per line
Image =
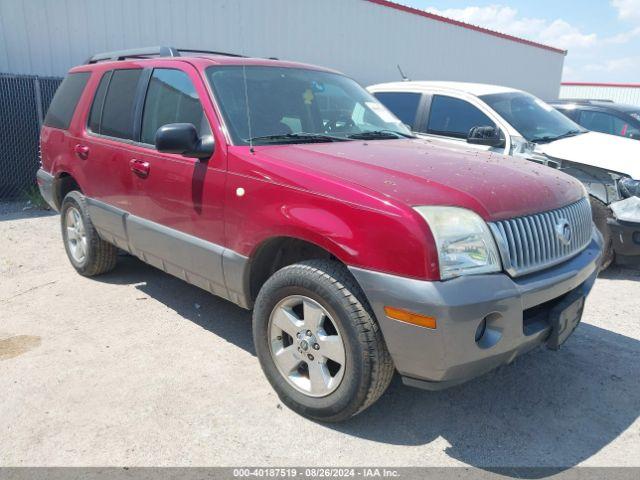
616,154
423,172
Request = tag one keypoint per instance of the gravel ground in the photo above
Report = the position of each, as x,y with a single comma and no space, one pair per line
138,368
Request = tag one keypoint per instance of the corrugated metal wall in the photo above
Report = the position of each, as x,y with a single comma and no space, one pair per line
359,38
628,95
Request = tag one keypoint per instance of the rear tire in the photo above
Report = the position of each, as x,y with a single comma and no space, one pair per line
600,214
306,292
87,252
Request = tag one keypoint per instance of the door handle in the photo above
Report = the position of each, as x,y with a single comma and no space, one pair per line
82,151
140,167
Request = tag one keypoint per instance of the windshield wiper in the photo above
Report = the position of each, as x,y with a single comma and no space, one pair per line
379,134
297,137
548,139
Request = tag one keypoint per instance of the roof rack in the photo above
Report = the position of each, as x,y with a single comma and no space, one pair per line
134,53
584,100
211,52
151,52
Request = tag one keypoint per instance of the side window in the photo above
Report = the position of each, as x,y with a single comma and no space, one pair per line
603,122
171,98
98,103
403,105
452,117
117,113
65,100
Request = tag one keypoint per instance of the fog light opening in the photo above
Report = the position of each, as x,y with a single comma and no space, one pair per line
481,329
489,331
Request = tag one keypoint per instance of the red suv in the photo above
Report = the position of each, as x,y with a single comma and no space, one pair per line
288,189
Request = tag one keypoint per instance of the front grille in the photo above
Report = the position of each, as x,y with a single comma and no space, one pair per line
532,242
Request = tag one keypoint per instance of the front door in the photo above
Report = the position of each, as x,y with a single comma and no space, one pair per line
450,119
176,220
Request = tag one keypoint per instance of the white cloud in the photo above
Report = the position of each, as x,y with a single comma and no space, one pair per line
627,9
615,65
557,33
624,37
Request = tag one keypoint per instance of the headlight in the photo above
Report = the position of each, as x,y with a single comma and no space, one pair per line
629,187
463,239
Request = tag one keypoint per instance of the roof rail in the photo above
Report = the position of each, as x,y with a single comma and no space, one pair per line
134,53
211,52
151,52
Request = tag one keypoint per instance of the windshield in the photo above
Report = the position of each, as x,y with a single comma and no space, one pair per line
293,105
534,119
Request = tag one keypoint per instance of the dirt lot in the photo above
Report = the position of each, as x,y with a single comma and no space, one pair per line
139,368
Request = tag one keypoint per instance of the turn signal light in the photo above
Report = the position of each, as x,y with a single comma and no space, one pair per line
410,317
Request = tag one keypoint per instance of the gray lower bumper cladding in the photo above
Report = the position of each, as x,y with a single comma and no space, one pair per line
45,184
511,316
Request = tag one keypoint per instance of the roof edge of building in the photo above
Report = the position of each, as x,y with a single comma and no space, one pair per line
600,84
468,26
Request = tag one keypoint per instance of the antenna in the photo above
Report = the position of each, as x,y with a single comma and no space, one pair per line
246,99
404,77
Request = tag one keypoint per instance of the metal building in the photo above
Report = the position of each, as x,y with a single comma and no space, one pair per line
366,39
628,93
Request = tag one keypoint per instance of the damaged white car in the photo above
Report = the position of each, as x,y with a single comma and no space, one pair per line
513,122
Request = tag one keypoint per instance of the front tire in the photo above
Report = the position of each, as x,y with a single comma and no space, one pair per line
87,252
318,343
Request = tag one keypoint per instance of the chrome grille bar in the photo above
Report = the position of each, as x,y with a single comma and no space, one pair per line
534,242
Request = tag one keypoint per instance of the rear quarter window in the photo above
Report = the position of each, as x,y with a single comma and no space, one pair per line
65,100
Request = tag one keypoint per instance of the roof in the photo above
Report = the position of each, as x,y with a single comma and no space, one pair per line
468,26
600,104
476,89
590,84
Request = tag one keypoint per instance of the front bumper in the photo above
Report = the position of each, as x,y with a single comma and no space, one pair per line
625,237
516,310
45,184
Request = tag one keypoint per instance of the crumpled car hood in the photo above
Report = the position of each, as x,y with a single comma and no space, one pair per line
616,154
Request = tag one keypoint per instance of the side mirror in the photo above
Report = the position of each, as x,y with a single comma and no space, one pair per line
489,136
183,139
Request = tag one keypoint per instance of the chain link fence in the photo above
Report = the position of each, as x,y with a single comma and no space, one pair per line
24,100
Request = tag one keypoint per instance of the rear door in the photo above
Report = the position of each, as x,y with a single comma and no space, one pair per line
407,106
108,136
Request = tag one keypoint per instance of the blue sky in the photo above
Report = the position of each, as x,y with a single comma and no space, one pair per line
602,36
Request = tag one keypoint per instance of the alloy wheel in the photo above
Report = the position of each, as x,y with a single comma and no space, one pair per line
76,235
306,346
